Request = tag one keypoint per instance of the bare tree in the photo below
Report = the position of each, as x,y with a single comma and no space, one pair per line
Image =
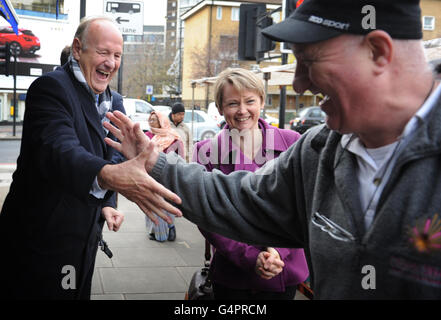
223,55
145,64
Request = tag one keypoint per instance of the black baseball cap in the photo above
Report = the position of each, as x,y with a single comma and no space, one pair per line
318,20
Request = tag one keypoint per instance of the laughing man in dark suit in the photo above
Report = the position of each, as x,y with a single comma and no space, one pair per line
61,194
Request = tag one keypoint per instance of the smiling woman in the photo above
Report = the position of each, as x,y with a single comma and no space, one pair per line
238,268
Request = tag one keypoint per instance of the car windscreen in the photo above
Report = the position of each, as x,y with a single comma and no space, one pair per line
143,107
28,32
197,117
303,112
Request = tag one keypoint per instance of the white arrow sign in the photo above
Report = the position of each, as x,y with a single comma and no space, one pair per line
128,15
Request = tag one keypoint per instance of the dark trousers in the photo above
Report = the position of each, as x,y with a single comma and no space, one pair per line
224,293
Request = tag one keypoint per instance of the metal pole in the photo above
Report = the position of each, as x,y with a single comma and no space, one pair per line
266,77
193,86
120,71
82,9
180,59
15,91
207,92
283,97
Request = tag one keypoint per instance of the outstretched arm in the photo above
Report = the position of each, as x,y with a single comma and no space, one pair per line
259,208
130,178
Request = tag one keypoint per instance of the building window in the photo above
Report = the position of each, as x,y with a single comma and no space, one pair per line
219,13
173,24
428,23
235,13
133,38
46,9
174,4
173,34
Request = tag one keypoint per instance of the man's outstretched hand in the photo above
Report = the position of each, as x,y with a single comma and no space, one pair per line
132,140
130,178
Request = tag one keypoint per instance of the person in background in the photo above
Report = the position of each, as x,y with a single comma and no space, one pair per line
167,140
64,56
176,117
247,142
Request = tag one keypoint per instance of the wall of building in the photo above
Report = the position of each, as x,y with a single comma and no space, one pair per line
196,37
432,8
171,43
199,24
54,34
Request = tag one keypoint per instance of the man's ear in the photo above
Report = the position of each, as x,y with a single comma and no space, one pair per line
76,48
381,48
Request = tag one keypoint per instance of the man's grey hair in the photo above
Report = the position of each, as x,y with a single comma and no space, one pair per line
83,27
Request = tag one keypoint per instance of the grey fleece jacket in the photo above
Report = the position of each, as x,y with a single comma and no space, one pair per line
398,257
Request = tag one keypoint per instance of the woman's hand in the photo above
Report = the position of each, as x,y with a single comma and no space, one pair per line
269,264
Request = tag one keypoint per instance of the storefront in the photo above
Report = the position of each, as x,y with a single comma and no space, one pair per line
43,31
7,98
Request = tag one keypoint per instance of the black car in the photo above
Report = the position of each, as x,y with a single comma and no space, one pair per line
307,118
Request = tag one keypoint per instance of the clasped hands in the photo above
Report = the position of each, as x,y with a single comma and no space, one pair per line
269,264
131,178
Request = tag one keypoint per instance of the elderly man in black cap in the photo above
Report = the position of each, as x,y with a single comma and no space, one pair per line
361,193
176,116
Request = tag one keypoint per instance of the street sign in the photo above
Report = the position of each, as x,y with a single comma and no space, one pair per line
148,89
129,16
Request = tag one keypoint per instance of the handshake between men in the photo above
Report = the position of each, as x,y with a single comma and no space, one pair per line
130,178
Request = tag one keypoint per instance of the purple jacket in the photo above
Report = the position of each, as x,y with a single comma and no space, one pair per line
233,262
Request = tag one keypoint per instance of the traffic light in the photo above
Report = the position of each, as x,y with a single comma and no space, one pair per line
5,59
252,19
288,7
247,30
263,44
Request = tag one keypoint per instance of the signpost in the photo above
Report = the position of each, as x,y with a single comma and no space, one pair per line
149,92
128,15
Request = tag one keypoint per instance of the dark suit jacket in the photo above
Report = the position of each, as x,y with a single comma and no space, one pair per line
49,220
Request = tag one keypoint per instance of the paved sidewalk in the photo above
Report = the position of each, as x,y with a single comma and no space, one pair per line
142,269
7,132
146,269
